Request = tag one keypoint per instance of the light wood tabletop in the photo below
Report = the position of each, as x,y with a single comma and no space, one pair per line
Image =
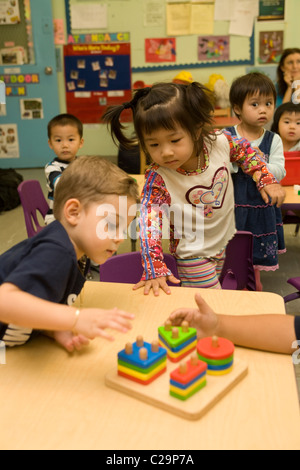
292,196
54,400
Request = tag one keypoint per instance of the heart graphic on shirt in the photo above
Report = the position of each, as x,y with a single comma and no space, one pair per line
210,195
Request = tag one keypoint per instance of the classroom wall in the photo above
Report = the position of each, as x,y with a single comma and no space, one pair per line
97,138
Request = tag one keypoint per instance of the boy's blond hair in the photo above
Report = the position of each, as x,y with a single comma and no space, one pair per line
89,179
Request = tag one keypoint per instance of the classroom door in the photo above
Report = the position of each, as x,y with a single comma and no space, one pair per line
31,89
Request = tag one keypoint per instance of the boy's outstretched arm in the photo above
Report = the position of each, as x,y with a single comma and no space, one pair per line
26,310
275,333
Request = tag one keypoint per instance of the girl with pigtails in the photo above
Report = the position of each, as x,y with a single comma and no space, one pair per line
190,173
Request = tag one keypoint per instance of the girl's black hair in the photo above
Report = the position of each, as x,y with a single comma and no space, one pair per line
289,107
165,105
281,84
249,85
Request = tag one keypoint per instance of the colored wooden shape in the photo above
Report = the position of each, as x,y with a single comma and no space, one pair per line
139,381
141,369
175,357
176,349
139,375
182,336
135,360
193,371
213,362
223,351
219,372
185,394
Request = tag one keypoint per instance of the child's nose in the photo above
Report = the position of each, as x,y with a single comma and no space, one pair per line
167,151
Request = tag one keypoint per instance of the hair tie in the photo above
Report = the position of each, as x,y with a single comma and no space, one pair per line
127,105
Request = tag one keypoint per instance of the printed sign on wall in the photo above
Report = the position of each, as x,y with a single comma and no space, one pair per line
97,75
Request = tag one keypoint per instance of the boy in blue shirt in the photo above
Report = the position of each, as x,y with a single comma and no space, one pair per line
40,278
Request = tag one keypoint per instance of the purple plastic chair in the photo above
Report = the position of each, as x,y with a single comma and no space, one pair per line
238,271
127,268
33,201
289,217
295,282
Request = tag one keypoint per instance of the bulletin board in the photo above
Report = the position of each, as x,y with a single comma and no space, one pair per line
136,19
97,76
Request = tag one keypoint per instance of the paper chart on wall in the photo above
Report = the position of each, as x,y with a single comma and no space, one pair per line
90,16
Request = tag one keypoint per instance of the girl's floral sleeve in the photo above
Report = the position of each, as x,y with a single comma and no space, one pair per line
154,197
250,160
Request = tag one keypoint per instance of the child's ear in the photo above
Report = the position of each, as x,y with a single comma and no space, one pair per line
72,211
50,145
81,143
236,110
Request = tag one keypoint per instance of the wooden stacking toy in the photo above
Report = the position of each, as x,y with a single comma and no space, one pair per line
142,362
178,341
217,353
188,378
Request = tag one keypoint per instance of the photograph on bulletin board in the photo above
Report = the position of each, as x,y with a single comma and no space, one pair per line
97,76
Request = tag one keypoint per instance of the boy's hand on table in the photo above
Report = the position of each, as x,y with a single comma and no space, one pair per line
92,322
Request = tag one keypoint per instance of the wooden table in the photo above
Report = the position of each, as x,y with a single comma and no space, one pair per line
224,121
53,400
292,201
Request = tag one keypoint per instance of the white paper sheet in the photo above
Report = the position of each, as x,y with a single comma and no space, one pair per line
88,16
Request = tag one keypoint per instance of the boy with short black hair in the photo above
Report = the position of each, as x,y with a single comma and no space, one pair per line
65,138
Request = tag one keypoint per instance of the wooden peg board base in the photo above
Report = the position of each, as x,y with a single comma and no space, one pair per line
157,393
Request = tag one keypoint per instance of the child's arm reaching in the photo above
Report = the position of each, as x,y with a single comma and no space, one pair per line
156,274
275,333
26,310
251,163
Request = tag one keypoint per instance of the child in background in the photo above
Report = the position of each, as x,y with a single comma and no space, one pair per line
41,277
286,123
253,98
65,138
191,171
275,333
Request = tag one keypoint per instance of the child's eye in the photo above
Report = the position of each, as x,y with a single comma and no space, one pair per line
175,141
269,103
153,145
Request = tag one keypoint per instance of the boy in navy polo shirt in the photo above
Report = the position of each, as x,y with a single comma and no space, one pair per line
40,278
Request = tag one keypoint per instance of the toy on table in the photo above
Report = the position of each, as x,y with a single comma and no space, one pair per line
188,378
142,362
217,353
178,341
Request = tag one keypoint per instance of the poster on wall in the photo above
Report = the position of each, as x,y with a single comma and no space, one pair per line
9,12
271,10
97,76
213,48
160,50
270,47
9,141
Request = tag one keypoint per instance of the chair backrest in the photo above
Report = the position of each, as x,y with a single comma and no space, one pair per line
127,268
33,201
238,270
